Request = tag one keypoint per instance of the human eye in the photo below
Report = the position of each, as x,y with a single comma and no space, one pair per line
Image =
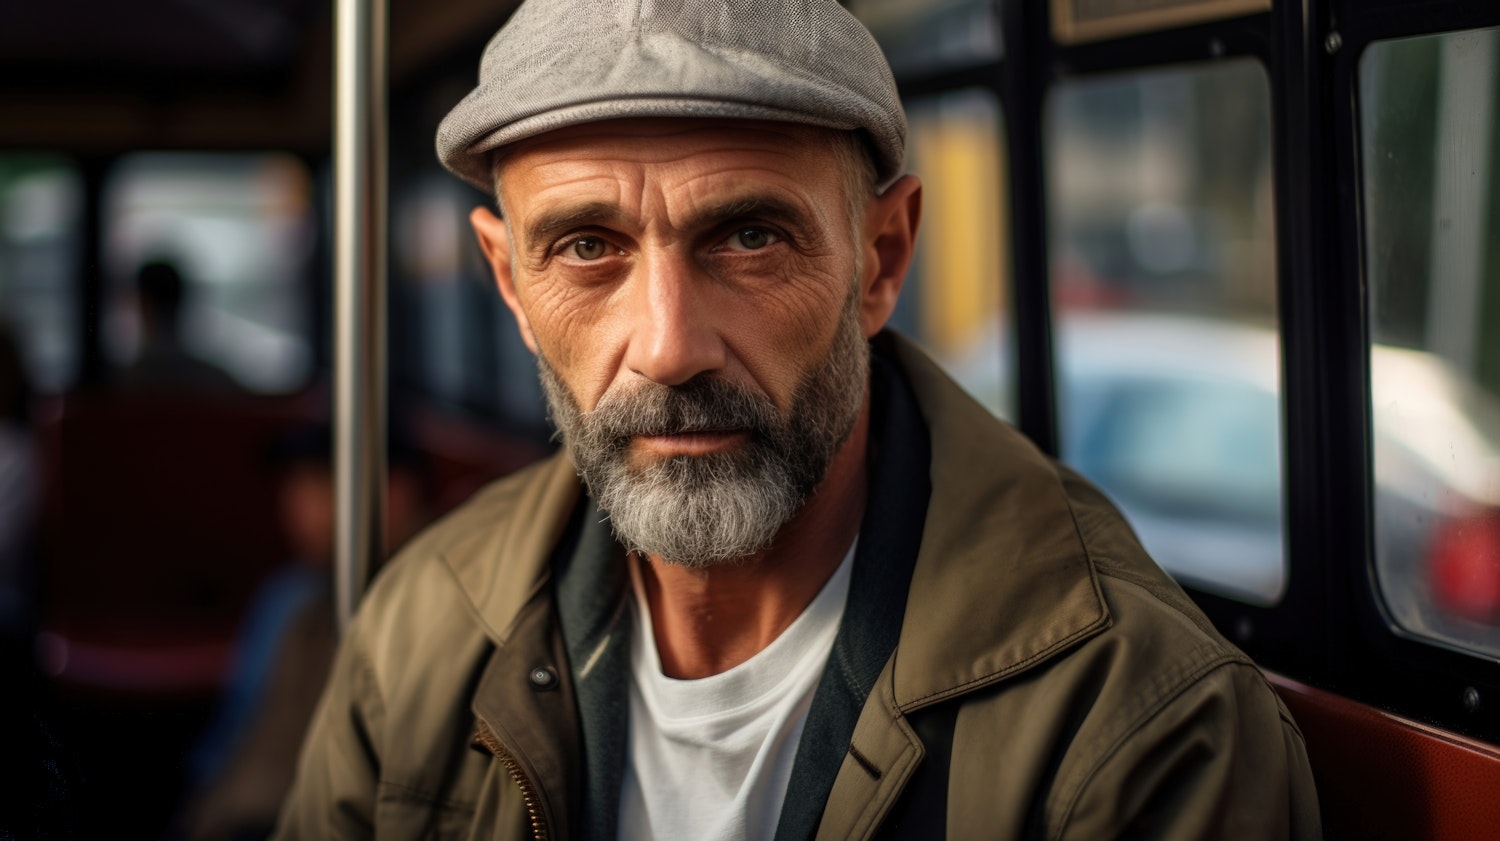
751,238
587,248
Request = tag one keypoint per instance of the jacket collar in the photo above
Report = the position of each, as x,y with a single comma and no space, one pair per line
999,548
501,561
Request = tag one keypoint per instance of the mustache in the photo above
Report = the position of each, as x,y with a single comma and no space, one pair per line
703,404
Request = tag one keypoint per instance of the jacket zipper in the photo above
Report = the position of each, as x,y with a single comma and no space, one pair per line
529,793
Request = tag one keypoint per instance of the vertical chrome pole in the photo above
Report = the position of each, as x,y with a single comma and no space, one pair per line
359,294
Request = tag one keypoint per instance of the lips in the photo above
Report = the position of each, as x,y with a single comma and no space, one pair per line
701,442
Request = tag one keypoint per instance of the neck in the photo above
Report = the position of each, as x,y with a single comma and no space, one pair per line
708,621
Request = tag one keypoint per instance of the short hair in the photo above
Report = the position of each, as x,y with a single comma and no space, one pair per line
856,163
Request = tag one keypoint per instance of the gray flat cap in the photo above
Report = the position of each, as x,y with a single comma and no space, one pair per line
558,63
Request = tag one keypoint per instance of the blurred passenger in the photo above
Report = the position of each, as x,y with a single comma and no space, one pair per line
243,765
164,365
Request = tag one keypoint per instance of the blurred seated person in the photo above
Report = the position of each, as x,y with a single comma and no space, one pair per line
163,364
243,764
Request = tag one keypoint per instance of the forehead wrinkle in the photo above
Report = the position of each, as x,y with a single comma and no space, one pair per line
540,172
767,206
742,190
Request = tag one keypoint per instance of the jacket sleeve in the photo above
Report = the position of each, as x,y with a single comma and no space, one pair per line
333,793
1220,759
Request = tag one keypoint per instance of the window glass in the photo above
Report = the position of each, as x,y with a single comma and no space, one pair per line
955,300
238,230
923,36
41,203
454,339
1163,285
1431,161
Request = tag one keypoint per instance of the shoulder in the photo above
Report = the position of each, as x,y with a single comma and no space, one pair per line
395,720
1090,672
1139,593
492,508
993,487
1152,720
1174,709
1158,644
441,590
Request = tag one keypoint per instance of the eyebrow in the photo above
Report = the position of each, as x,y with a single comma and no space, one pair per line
759,206
546,227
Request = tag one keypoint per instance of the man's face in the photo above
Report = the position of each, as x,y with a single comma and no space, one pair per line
699,509
692,290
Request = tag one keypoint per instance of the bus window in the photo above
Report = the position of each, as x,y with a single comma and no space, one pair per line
954,302
1431,177
1163,282
921,36
453,337
41,200
239,230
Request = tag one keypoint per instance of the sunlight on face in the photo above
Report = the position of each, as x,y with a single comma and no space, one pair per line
691,290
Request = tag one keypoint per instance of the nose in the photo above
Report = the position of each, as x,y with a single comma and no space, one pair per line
674,336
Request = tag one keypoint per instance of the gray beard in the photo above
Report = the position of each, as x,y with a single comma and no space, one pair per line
699,511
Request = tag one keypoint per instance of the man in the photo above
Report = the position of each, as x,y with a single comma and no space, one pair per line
164,366
805,586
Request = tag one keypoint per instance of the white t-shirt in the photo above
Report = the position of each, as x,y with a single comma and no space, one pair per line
710,758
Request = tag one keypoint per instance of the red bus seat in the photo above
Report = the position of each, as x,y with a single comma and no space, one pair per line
1383,776
160,521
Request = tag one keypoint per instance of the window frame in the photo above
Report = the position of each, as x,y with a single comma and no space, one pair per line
1329,630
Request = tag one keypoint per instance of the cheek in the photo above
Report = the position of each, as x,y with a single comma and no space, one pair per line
788,325
574,330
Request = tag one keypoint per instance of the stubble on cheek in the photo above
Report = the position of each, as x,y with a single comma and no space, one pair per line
714,508
569,328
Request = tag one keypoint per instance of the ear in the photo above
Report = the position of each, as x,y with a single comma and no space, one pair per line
494,241
889,240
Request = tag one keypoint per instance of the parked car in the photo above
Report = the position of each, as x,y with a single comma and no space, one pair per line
1178,419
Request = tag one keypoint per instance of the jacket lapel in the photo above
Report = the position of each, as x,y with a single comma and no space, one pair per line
1003,581
592,587
882,756
525,696
489,563
526,699
1002,584
889,538
999,549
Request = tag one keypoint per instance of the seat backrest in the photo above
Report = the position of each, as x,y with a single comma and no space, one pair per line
161,521
1383,776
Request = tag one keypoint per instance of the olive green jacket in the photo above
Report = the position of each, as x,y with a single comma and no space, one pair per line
1049,681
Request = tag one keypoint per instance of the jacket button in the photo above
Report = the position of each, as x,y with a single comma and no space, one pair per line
542,677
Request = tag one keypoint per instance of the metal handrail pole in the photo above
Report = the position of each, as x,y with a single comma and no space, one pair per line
359,295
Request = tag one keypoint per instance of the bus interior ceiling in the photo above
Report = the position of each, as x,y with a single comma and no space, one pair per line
92,77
